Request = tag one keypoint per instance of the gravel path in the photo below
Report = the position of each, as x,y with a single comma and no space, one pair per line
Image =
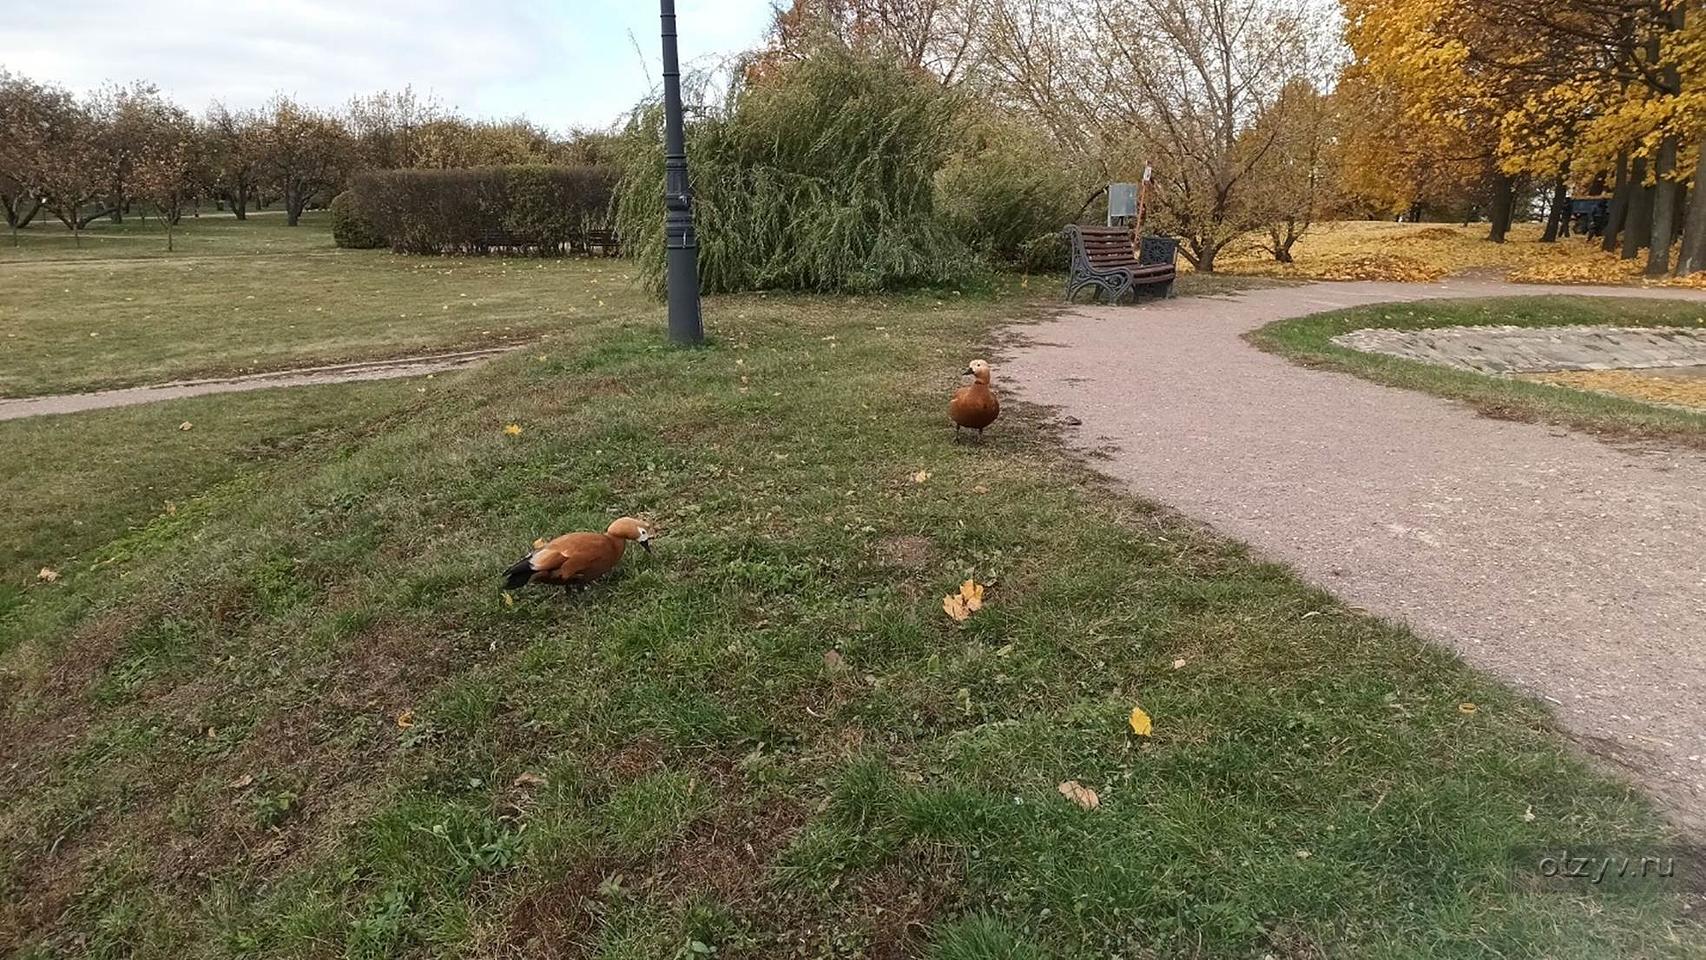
1570,567
301,377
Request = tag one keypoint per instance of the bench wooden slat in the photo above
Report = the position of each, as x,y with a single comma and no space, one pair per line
1112,260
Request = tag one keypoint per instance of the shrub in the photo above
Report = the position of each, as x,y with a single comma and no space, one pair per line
819,177
349,228
532,209
1007,191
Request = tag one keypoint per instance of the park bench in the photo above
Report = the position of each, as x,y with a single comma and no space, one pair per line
1104,258
606,241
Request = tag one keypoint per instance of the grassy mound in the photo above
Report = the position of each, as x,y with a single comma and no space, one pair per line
295,716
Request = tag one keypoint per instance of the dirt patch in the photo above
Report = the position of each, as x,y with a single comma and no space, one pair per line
908,551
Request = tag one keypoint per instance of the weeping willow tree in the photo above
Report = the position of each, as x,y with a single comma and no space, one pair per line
819,176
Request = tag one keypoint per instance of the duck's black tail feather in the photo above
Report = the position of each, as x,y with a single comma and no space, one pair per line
517,576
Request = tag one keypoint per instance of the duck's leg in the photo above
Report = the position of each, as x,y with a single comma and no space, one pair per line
956,433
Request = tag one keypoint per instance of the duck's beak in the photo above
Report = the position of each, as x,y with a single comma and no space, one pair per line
645,542
968,373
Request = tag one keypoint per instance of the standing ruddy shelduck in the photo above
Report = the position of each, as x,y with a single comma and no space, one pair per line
577,558
975,406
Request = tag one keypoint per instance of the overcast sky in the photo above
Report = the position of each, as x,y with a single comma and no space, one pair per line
561,63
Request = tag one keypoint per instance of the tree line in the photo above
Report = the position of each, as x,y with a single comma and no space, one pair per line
1561,96
124,150
1262,116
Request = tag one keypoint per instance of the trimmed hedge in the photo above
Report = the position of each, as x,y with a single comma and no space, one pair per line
540,210
350,229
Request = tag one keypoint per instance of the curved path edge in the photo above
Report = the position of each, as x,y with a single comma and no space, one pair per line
1569,567
16,409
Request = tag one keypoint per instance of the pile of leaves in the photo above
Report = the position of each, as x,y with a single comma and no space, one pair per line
1408,252
1379,266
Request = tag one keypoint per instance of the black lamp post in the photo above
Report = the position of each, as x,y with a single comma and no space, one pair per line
683,245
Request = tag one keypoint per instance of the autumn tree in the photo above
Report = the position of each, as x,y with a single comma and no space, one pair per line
386,127
1297,181
233,141
1194,98
939,38
303,153
75,171
165,173
28,113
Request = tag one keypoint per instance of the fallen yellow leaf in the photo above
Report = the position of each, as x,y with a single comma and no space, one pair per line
509,600
921,476
405,720
1466,707
513,430
1179,664
1140,722
972,592
528,780
186,425
48,575
1080,794
954,606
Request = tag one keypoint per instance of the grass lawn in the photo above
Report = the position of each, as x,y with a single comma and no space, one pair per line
295,716
213,234
79,325
1308,340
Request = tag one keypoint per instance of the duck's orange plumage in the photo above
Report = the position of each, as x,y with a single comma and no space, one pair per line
974,407
577,558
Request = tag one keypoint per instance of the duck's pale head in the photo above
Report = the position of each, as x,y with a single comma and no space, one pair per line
627,528
979,370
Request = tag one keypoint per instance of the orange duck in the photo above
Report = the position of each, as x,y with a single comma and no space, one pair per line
577,558
974,407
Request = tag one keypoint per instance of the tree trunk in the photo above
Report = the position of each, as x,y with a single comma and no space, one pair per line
240,203
1638,221
1504,207
294,201
1205,258
1693,257
1619,210
1664,210
1560,196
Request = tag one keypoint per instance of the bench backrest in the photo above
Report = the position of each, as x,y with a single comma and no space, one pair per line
1102,247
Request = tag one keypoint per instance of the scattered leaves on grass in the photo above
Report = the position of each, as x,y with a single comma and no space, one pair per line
1466,707
1179,664
1528,814
513,430
921,476
1080,794
528,781
186,425
962,605
405,720
242,781
48,575
1140,722
509,599
834,661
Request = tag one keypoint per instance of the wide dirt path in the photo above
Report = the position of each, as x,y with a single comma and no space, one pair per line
1571,567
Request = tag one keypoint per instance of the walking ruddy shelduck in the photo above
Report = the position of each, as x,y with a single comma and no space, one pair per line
577,558
974,407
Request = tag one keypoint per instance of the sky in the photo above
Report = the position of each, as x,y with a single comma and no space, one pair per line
560,63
